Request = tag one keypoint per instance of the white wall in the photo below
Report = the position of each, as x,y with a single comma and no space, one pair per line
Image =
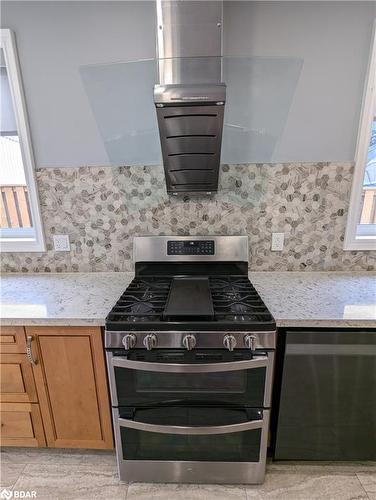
333,39
56,38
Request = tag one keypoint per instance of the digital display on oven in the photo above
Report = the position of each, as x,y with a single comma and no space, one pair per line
190,247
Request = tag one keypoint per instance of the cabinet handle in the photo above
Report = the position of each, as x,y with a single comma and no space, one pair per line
29,350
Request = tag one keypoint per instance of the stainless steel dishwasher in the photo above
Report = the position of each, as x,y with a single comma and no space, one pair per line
327,397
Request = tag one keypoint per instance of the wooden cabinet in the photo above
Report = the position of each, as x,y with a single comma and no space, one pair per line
21,425
12,339
61,400
72,389
17,380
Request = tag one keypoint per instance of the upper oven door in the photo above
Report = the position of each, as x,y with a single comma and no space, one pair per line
215,377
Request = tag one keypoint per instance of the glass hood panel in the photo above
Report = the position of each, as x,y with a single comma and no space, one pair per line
260,92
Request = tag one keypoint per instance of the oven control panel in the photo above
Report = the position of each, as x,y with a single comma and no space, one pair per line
190,247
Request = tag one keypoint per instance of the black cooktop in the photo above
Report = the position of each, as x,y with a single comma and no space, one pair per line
190,303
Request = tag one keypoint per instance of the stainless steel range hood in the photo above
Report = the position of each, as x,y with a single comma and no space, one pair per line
190,96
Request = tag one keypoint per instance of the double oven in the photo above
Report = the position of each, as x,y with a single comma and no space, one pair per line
199,415
190,350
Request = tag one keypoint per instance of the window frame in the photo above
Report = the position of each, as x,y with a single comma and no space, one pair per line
17,239
352,241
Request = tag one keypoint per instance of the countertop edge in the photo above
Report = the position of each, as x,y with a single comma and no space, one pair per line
282,323
51,322
326,323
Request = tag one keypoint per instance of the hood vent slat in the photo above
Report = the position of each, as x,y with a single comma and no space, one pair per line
189,135
202,115
190,153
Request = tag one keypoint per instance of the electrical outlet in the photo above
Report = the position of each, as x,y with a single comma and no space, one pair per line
61,243
278,240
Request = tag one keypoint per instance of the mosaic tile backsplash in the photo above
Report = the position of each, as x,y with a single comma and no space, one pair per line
102,209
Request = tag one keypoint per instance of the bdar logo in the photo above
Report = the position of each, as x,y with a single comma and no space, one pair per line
7,494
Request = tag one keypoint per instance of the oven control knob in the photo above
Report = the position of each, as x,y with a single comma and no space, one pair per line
129,341
150,341
229,341
189,342
250,342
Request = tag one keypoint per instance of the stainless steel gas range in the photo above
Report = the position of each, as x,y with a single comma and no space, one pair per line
190,351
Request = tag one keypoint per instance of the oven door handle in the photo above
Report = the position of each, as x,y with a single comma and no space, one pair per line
123,362
175,429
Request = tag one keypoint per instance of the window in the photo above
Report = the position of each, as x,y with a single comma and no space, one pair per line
20,226
361,224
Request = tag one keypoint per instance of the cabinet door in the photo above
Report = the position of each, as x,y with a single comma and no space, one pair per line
72,388
16,379
12,339
21,425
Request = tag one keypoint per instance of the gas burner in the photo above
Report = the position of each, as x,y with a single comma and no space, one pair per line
142,308
239,308
143,301
240,318
155,284
141,319
141,312
229,285
149,295
232,295
133,299
240,311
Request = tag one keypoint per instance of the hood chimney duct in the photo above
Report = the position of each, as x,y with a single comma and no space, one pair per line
190,95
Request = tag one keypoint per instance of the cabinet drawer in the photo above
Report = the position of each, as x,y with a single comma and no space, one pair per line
12,339
16,379
21,425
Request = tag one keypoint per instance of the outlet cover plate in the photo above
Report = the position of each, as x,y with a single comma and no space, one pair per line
278,240
61,243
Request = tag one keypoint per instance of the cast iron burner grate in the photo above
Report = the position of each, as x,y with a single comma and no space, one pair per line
143,301
234,299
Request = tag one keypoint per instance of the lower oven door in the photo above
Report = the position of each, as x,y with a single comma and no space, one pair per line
202,444
200,377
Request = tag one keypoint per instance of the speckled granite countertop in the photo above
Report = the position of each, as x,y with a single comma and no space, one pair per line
73,299
294,298
345,299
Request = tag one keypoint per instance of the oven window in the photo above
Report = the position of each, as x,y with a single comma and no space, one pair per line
228,382
233,447
242,387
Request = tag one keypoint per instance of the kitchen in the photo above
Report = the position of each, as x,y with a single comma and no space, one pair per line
188,249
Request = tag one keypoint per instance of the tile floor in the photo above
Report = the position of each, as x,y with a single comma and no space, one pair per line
77,474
